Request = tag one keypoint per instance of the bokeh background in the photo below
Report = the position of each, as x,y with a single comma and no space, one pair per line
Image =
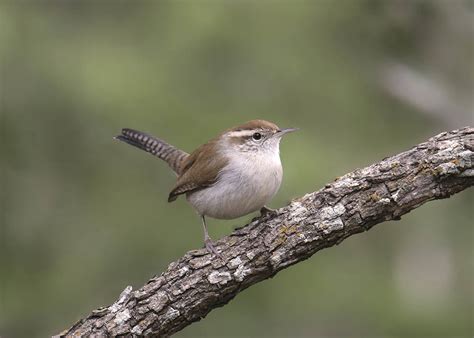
83,216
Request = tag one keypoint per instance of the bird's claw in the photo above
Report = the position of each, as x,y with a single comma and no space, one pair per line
211,249
265,211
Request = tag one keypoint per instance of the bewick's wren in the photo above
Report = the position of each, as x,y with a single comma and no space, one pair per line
230,176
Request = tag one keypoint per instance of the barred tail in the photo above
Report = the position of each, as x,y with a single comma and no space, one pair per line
171,155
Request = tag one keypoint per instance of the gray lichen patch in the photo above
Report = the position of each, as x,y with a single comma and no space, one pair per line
346,181
122,317
199,262
235,262
330,213
158,301
189,283
217,277
242,272
331,218
395,195
182,271
467,173
276,259
250,255
339,209
464,160
297,212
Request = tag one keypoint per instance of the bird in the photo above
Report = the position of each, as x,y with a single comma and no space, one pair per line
233,174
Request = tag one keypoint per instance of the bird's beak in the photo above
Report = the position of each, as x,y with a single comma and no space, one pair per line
284,131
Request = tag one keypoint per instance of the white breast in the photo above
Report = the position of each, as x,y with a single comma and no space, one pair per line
246,184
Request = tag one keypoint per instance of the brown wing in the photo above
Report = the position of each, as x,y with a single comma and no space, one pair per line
199,170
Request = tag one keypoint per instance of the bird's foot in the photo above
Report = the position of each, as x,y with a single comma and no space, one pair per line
265,211
211,249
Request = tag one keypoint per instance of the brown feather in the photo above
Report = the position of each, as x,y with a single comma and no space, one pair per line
255,124
199,170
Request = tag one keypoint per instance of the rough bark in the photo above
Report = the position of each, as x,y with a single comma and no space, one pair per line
198,282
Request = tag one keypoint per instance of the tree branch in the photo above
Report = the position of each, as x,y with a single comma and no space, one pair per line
198,282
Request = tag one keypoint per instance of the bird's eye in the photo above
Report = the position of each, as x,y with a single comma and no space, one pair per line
257,136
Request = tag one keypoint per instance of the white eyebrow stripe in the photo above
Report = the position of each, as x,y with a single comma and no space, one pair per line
241,133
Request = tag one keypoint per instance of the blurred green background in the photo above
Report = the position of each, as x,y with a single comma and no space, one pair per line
83,216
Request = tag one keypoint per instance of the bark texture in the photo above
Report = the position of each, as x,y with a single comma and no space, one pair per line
199,282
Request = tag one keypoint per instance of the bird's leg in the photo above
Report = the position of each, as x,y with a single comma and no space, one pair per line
207,239
265,211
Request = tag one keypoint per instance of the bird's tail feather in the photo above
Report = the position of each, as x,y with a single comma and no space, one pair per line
171,155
